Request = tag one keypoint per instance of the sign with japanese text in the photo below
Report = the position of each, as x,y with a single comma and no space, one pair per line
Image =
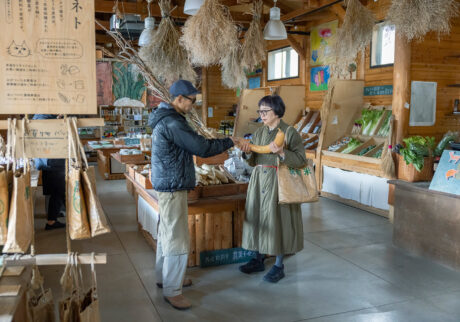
225,257
47,57
42,139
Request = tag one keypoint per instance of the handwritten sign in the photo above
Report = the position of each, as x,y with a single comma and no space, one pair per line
225,256
43,139
378,90
47,57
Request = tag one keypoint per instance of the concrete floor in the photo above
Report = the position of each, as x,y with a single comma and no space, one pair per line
348,271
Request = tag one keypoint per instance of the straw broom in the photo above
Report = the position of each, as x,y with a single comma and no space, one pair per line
208,35
355,34
165,57
415,18
254,43
388,164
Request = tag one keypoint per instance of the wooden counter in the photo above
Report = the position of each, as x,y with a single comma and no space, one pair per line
104,161
214,222
427,222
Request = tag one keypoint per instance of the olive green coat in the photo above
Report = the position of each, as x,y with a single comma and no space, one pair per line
269,227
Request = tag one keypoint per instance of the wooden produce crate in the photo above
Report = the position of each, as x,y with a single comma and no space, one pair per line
215,160
143,180
407,172
218,190
132,158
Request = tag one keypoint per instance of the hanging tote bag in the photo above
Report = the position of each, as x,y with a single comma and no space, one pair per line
97,219
20,217
69,307
40,301
77,215
89,306
296,185
4,204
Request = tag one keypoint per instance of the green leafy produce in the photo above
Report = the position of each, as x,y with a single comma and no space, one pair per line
378,154
417,148
385,128
448,137
364,151
369,120
353,144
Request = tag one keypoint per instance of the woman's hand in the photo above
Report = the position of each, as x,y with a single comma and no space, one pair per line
276,149
244,146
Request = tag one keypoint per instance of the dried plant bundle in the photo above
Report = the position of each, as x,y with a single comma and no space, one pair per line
233,75
165,57
254,43
208,35
354,36
129,55
415,18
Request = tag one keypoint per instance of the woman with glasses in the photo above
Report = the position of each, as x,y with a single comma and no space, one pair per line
270,228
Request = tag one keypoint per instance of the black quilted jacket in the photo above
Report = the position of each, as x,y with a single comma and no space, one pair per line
174,143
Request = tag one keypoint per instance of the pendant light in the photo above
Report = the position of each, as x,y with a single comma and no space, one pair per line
149,24
191,7
275,29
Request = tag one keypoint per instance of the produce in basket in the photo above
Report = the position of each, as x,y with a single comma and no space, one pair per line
369,120
338,144
448,137
210,175
416,149
365,150
353,144
385,128
378,154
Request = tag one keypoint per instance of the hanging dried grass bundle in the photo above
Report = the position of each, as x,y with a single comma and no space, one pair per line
254,43
233,75
208,35
415,18
354,36
165,57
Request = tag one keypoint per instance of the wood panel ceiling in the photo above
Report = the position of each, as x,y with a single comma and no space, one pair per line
293,12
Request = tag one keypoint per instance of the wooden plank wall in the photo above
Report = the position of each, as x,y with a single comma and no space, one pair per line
221,99
432,61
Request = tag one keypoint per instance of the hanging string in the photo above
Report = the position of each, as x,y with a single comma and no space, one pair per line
67,233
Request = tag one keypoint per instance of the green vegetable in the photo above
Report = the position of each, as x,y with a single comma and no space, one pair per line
378,154
417,148
364,151
369,120
448,137
385,128
353,144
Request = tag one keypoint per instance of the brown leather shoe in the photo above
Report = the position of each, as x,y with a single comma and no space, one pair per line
187,282
178,302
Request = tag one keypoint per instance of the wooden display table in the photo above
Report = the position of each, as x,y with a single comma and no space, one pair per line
214,222
427,222
104,162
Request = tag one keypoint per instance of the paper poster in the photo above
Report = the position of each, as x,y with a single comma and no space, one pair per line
47,57
319,76
447,175
322,39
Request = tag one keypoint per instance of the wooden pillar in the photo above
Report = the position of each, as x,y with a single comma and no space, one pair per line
204,93
401,88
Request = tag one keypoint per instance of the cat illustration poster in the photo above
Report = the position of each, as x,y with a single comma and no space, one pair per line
18,49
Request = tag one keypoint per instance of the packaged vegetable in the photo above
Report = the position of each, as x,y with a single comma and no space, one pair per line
448,137
353,144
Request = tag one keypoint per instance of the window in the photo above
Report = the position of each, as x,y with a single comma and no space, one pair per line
283,63
383,45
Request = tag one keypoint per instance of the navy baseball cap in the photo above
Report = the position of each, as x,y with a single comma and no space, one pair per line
182,87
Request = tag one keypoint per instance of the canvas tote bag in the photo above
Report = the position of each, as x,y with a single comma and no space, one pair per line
20,217
89,306
296,186
97,219
76,212
40,305
69,307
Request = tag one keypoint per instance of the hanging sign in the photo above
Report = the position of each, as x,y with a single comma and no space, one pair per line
47,57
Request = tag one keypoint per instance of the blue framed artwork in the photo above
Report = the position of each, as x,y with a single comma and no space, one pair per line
447,175
254,82
319,76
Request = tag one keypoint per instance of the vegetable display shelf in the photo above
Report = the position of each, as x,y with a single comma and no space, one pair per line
355,136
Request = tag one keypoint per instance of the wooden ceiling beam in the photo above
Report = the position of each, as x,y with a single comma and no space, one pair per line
338,10
296,46
284,8
308,10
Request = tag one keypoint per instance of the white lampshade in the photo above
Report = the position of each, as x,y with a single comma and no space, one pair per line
148,32
275,29
191,7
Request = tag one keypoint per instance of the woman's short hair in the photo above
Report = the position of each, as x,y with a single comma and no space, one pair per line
275,102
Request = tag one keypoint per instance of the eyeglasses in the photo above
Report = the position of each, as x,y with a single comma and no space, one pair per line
189,98
263,112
